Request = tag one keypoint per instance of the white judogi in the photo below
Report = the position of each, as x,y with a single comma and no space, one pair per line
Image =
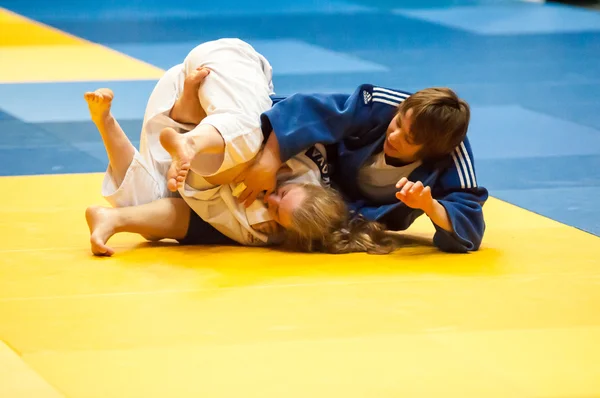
233,96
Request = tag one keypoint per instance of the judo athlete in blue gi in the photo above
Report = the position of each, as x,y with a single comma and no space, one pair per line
393,156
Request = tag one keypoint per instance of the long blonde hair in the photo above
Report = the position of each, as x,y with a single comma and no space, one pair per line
323,224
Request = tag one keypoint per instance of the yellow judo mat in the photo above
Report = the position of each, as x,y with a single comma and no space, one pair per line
33,52
520,318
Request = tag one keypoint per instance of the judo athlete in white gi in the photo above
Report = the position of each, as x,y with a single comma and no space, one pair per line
222,134
232,99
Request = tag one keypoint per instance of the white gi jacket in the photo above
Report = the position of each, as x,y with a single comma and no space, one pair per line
233,96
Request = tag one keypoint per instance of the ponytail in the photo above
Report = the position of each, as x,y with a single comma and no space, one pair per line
322,224
360,235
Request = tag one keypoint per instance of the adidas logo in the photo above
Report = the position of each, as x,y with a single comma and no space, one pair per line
367,97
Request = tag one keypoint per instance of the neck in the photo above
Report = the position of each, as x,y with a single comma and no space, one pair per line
395,161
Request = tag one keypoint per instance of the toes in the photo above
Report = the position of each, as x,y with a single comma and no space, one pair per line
205,71
202,73
103,98
99,248
106,252
100,97
105,93
91,97
172,185
99,253
97,98
196,77
182,174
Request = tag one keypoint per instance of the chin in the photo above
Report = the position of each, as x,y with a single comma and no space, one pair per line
388,152
392,153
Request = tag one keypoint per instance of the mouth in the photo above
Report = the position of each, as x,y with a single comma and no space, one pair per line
388,148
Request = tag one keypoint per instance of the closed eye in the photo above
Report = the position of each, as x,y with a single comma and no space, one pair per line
408,140
282,194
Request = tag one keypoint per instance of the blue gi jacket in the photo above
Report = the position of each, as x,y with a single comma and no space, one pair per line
354,128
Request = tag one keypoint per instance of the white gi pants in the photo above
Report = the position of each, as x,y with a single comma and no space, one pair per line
233,96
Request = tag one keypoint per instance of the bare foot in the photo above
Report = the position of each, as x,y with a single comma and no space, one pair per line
101,221
187,108
182,150
99,102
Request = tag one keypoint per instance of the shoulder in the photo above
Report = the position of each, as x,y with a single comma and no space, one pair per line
461,170
381,95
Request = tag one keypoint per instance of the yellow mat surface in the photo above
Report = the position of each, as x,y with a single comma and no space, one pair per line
520,318
17,380
33,52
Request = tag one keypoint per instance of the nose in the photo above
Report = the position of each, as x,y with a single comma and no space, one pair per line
396,139
273,199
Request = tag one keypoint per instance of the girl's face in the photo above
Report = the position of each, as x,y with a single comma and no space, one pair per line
398,142
282,203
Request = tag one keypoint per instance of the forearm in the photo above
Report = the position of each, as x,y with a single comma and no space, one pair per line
439,216
271,151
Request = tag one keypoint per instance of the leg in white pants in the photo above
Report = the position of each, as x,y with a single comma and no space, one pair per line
144,180
233,96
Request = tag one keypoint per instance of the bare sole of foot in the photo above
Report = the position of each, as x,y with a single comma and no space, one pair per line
182,151
100,221
99,103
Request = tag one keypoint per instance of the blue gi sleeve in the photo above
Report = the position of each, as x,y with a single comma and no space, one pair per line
456,190
303,120
463,199
465,210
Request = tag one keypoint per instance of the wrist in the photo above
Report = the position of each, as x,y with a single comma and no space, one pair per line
439,216
432,208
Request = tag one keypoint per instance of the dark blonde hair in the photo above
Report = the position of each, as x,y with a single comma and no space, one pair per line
439,120
322,224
